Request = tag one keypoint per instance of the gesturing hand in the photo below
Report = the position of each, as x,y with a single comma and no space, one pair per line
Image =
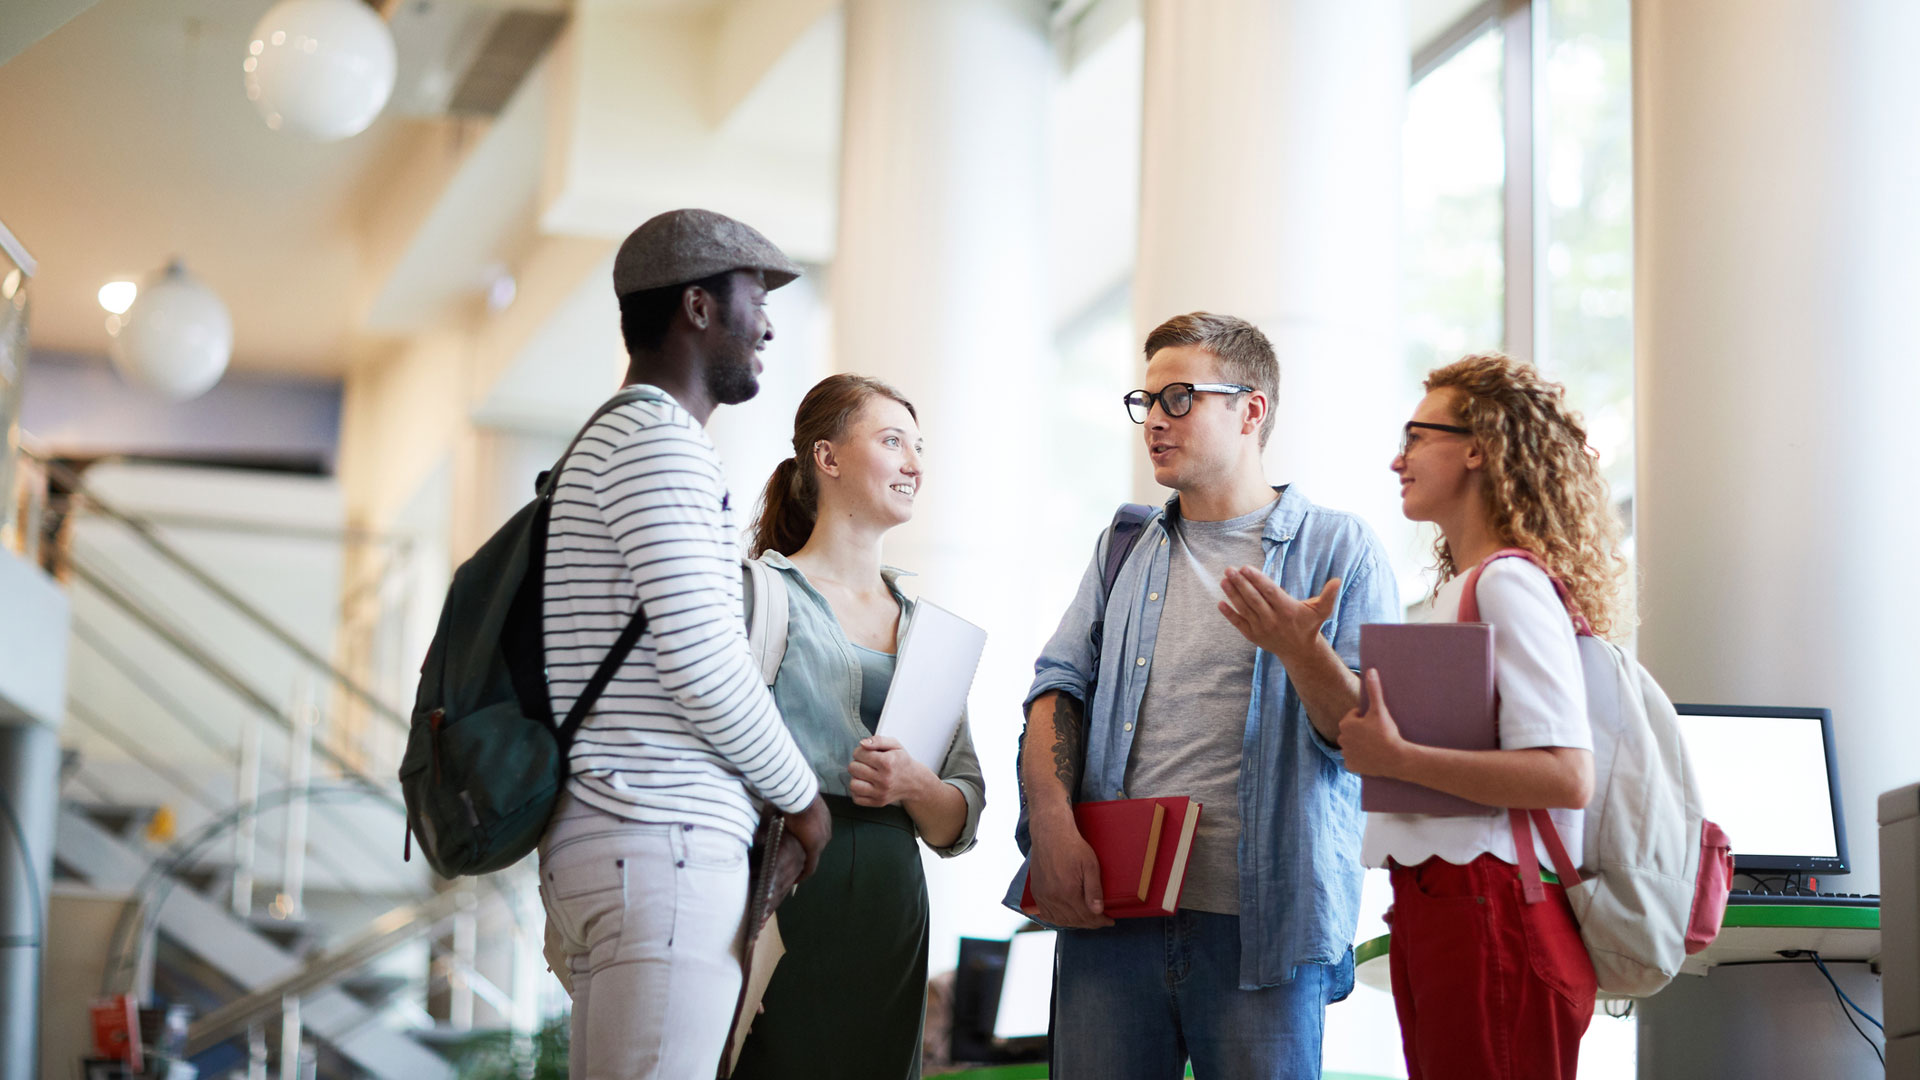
882,773
1370,742
1266,616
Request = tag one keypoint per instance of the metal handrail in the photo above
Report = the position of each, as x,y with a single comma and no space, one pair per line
17,251
242,527
185,784
383,935
95,722
148,535
206,661
149,687
144,682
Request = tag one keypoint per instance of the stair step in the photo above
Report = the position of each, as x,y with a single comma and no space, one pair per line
121,819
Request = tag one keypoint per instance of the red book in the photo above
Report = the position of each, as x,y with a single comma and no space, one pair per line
1143,846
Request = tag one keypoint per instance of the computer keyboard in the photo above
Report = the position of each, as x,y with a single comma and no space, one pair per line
1747,896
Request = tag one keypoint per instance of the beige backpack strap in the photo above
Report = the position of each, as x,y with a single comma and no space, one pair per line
767,615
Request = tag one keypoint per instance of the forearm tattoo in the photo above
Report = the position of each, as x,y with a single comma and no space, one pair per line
1069,740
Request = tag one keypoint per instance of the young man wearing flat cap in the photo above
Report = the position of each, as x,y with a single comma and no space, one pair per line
643,871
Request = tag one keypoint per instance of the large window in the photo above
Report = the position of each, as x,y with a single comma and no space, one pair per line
1542,270
1586,339
1454,163
1546,270
13,358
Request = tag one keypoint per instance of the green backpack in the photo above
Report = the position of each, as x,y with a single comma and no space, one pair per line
485,761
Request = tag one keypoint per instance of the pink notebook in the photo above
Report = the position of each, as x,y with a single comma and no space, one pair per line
1438,679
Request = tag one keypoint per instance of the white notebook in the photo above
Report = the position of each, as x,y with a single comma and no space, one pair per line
938,655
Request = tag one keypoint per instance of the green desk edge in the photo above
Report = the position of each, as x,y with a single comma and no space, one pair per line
1039,1073
1812,916
1805,916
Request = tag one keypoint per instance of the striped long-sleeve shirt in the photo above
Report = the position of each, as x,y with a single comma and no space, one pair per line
686,729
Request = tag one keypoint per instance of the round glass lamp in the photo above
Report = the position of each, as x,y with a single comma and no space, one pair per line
321,69
176,338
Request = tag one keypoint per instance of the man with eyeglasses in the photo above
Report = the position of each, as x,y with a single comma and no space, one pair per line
1218,668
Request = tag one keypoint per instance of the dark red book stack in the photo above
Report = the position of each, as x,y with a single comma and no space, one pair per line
1143,846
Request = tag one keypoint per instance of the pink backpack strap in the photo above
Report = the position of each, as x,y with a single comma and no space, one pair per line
1523,822
1470,598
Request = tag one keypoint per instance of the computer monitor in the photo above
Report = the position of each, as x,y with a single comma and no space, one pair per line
1026,990
1002,997
1767,777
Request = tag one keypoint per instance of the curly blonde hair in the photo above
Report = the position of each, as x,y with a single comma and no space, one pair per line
1542,481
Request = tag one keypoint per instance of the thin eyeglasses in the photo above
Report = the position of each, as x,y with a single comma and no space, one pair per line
1407,436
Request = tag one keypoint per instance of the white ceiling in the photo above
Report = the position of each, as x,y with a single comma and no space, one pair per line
126,140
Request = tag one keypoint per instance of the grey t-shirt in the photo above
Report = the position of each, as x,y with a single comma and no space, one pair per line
1193,718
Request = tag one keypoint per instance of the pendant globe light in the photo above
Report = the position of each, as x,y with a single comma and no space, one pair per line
321,69
176,338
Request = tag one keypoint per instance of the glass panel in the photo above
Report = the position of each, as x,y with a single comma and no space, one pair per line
1586,283
13,361
1455,168
1587,337
1454,282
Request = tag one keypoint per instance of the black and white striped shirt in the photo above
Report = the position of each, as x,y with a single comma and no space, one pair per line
686,727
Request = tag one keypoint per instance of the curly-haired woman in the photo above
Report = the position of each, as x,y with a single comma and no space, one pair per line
1487,984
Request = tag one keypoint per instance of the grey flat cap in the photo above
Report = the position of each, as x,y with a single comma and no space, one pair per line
681,246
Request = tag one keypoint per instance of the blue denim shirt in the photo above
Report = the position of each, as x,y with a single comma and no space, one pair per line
1299,808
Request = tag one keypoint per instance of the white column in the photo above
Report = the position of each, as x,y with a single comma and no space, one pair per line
1270,190
1776,270
937,287
1776,266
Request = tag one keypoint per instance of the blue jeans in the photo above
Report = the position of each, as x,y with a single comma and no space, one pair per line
1141,997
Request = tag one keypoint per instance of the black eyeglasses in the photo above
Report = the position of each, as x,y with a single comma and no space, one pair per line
1406,433
1175,398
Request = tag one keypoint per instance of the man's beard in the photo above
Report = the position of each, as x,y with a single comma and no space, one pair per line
729,377
732,381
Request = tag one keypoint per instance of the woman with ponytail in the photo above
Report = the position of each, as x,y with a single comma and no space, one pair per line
1490,977
849,997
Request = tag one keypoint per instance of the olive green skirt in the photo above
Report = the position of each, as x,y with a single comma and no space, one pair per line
848,1000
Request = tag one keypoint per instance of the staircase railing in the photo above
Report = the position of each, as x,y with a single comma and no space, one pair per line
391,929
148,535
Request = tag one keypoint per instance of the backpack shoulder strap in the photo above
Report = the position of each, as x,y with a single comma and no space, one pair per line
602,675
630,636
1522,823
1128,522
1470,595
768,613
544,484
